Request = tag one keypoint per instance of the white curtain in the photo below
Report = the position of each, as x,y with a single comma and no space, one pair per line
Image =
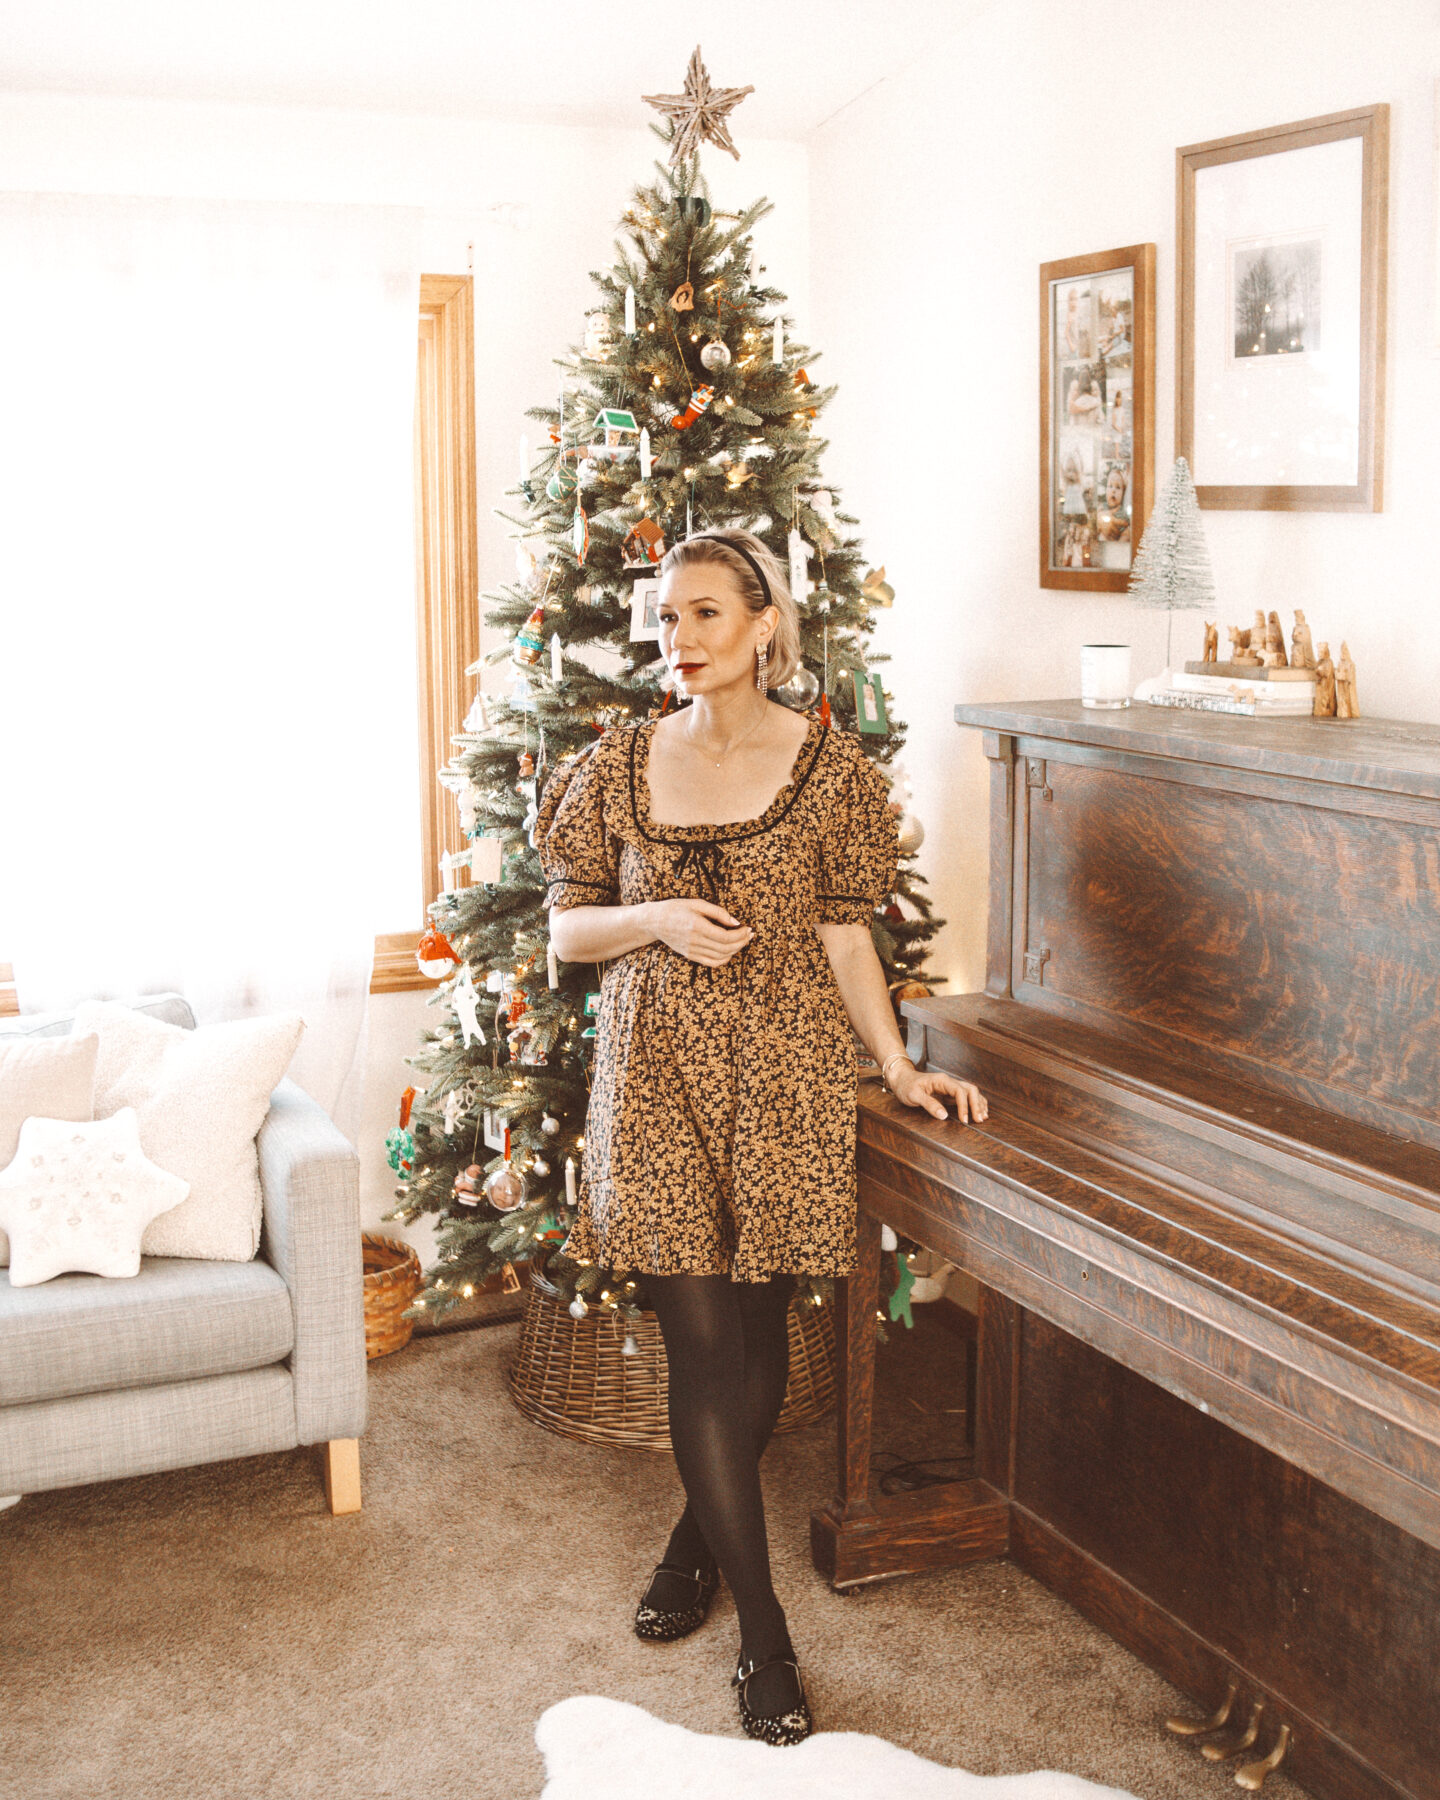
207,704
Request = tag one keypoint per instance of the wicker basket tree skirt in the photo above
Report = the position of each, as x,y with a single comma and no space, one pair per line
570,1376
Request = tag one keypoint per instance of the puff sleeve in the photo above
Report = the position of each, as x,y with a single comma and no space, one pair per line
578,855
860,854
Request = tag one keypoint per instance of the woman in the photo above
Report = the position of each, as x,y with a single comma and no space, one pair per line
724,861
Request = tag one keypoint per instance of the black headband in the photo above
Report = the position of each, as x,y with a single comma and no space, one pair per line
717,537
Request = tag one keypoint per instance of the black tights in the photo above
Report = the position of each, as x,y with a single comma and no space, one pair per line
727,1348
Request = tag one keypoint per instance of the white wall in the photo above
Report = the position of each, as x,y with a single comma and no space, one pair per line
531,290
935,198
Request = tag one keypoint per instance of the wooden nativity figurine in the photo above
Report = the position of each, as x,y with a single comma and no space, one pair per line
1302,650
1346,704
1240,651
1212,643
1324,684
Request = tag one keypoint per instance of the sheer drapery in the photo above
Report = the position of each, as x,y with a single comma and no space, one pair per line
207,717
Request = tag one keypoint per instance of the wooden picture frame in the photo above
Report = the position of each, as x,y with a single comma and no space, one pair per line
1287,223
1097,415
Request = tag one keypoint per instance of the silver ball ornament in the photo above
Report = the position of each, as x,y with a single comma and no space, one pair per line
549,1125
716,355
911,834
578,1308
506,1189
539,1165
801,690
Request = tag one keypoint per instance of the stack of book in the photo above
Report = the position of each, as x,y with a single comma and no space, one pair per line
1249,691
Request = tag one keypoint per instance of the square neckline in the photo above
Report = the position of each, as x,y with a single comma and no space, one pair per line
640,786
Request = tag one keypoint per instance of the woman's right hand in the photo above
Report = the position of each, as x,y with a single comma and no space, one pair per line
699,930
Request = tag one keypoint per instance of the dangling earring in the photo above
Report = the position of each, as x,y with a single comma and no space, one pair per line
762,679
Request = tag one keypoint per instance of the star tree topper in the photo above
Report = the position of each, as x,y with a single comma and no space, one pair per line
699,113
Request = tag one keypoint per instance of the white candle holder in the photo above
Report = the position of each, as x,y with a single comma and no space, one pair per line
1105,675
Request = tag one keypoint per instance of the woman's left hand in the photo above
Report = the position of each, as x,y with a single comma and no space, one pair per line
922,1087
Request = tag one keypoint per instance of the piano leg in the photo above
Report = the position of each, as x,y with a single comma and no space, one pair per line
855,1372
997,1383
860,1538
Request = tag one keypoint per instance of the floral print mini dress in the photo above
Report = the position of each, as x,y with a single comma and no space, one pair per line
720,1137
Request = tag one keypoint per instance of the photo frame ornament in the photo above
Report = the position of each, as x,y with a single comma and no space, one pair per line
870,715
644,620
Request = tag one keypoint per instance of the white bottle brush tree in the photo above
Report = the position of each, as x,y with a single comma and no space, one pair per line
706,418
1172,565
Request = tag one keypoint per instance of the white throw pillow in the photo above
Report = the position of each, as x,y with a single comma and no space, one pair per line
46,1077
201,1097
78,1198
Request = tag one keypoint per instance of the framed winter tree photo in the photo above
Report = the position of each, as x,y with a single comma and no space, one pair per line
1280,333
1097,415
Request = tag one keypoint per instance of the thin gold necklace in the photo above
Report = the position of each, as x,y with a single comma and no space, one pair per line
742,737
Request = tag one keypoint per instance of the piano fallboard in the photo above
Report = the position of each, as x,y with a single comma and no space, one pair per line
1266,1302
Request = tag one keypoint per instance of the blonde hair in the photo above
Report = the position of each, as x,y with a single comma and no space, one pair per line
725,550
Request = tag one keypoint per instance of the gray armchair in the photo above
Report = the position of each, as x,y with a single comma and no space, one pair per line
193,1362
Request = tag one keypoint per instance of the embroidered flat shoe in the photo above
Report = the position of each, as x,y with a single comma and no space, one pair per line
789,1727
663,1624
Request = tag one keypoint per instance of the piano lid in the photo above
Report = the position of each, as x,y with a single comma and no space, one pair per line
1394,755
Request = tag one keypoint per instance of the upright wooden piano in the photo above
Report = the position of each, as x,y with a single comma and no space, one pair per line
1204,1212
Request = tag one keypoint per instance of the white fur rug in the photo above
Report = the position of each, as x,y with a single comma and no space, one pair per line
597,1749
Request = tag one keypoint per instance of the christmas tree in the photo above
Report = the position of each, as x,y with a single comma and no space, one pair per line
1172,565
688,406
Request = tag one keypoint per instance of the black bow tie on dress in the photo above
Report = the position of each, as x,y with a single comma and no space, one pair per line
704,862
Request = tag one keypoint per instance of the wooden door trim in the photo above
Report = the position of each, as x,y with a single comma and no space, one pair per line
447,620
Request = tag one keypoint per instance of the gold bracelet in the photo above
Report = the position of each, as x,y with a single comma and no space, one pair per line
899,1056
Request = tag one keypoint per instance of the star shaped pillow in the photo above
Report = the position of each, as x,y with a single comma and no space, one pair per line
78,1197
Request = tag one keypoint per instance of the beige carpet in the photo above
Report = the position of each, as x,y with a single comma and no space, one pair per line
213,1632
